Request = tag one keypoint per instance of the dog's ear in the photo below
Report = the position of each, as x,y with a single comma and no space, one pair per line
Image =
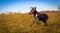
35,8
31,7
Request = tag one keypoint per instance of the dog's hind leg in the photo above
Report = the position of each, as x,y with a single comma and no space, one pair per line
45,23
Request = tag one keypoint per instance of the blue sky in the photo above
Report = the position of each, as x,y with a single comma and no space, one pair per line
24,5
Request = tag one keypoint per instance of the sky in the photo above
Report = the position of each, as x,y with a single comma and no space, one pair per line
23,6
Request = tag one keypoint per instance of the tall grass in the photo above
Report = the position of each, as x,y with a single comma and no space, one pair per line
20,23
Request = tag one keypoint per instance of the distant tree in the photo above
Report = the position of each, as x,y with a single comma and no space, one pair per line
58,8
3,13
14,12
10,13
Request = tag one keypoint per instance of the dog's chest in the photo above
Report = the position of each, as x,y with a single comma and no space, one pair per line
36,15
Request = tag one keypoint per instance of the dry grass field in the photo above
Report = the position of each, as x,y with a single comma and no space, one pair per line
20,23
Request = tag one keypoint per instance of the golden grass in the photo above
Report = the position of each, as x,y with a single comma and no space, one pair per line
20,23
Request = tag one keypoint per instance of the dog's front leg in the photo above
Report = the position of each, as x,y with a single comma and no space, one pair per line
32,22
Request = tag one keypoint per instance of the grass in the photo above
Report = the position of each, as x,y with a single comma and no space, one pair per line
20,23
